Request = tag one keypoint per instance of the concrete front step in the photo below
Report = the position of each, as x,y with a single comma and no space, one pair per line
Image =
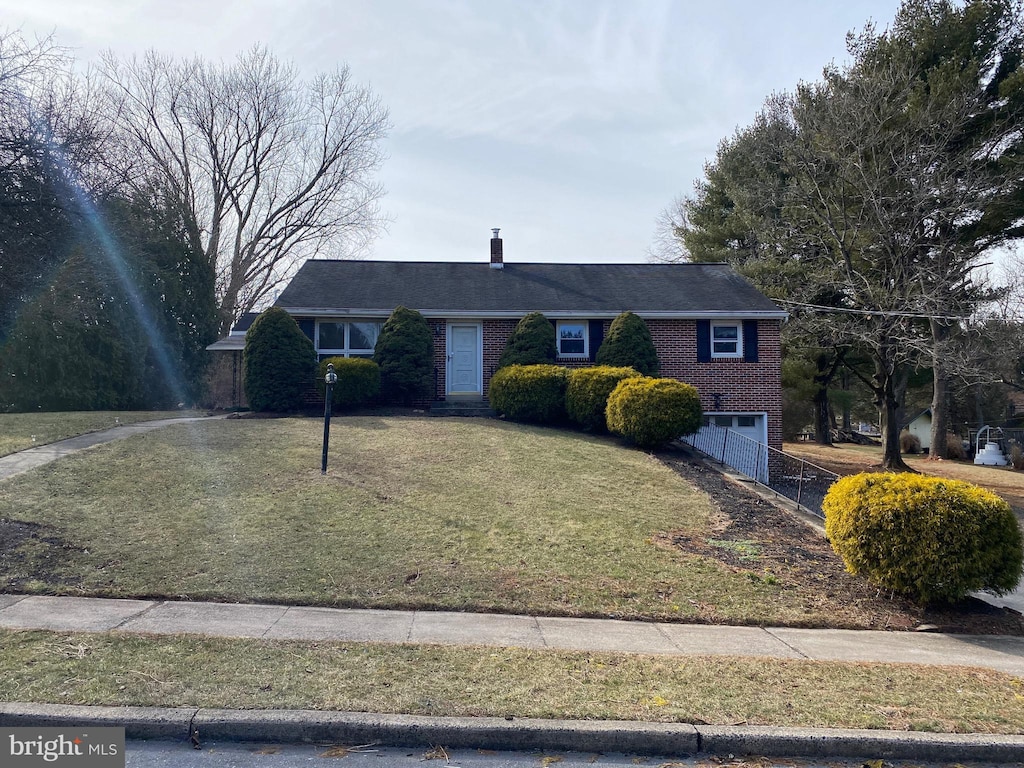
461,408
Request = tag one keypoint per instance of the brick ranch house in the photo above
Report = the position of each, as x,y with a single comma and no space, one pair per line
711,327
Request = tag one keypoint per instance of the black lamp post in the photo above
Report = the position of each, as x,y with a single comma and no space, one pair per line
330,379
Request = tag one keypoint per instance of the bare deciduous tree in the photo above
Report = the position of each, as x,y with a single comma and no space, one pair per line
267,169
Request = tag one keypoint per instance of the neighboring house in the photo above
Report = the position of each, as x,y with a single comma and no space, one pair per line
921,426
710,326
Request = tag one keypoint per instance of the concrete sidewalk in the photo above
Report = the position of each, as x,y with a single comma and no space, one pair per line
23,461
281,622
287,622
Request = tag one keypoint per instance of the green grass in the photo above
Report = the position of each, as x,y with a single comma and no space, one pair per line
414,513
19,431
131,670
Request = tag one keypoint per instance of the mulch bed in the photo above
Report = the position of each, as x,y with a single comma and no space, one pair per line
751,533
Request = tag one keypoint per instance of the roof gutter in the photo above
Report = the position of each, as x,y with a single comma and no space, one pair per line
504,314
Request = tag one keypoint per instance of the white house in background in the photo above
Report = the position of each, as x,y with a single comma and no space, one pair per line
921,426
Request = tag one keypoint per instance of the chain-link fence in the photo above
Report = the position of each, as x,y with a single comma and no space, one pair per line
787,475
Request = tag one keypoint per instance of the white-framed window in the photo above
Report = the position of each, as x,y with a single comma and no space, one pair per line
726,340
572,338
353,338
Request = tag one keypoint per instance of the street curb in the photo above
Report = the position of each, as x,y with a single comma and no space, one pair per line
662,739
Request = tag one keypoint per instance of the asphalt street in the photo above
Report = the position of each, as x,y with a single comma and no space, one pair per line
164,754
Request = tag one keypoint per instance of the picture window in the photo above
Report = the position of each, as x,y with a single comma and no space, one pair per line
347,339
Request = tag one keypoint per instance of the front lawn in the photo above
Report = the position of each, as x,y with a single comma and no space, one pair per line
19,431
131,670
427,513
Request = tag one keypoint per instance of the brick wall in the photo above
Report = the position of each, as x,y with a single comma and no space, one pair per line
439,330
741,386
496,333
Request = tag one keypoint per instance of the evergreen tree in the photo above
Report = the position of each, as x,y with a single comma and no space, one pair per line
870,199
280,362
405,354
629,345
531,343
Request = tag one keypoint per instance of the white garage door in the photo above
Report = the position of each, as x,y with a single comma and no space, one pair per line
744,447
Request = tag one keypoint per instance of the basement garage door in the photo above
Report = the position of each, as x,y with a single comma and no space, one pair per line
745,446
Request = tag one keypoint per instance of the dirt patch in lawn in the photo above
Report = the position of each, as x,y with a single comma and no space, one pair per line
17,540
753,535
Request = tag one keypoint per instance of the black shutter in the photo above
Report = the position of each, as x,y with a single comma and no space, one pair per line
308,326
750,341
703,341
596,332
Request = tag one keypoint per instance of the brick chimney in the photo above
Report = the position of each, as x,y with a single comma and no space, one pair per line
496,257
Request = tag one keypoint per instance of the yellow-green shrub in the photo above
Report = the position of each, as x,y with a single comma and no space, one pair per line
932,539
650,412
529,392
586,394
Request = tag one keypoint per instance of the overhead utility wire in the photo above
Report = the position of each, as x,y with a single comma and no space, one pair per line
875,312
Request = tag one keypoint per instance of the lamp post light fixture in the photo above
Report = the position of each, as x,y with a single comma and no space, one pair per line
330,380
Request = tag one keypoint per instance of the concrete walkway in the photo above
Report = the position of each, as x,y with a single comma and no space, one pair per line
23,461
281,622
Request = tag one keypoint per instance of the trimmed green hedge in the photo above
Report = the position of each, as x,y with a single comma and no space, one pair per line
629,344
530,393
405,354
587,391
280,362
932,539
651,412
532,343
358,381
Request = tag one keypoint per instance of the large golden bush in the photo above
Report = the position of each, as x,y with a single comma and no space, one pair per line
929,538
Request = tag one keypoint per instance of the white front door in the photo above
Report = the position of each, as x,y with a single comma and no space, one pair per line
465,363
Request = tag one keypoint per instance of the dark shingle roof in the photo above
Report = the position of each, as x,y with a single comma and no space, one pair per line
443,288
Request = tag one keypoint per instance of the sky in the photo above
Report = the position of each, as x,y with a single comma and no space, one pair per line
569,124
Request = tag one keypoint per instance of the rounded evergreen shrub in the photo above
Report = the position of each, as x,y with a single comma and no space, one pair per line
405,354
651,412
629,344
529,393
358,381
280,363
932,539
531,343
586,394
